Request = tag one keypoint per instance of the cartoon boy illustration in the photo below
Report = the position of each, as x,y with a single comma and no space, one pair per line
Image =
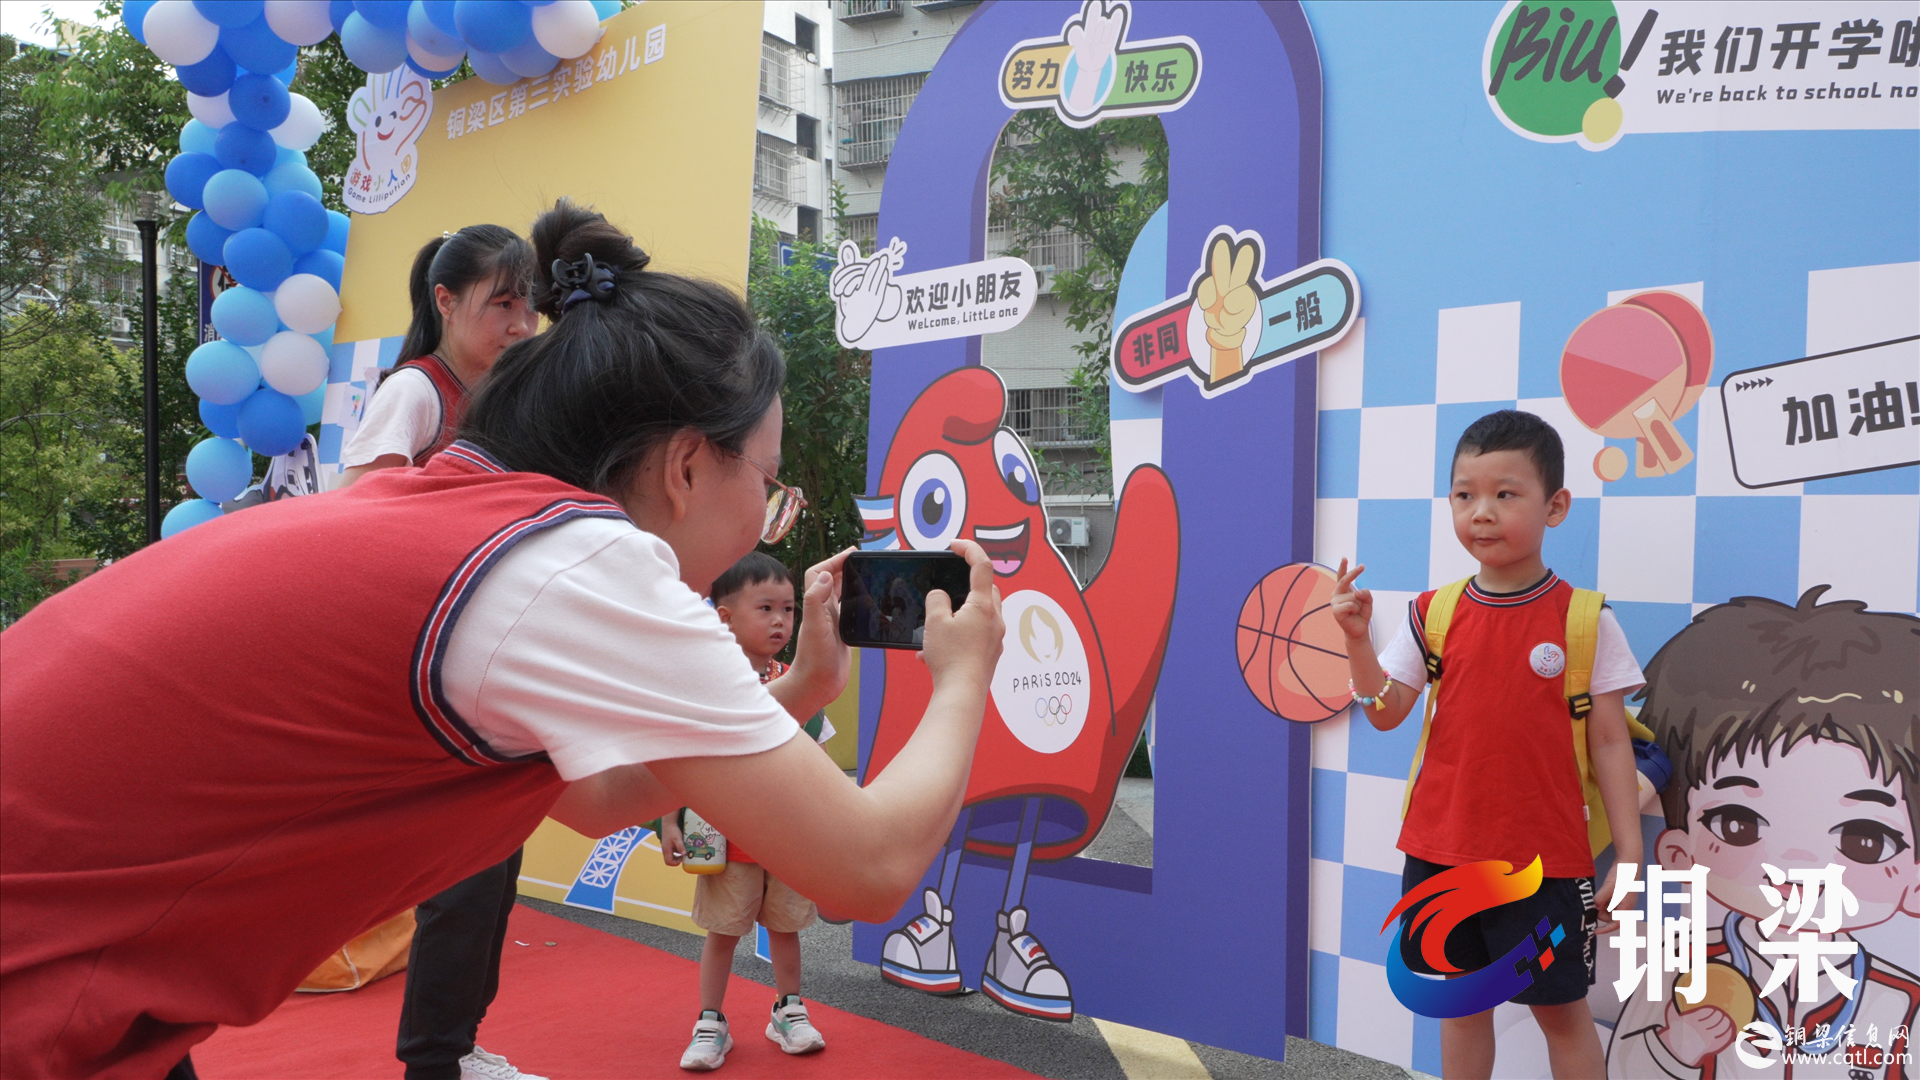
1793,734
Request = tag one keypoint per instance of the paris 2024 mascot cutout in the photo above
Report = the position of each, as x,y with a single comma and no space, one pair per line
1076,673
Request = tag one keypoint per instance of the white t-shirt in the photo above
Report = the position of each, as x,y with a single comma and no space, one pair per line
583,641
1614,667
402,418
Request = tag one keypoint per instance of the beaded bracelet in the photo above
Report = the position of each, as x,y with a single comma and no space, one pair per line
1377,701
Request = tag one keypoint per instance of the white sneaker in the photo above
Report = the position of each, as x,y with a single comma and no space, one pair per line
708,1050
791,1028
481,1065
1021,977
919,955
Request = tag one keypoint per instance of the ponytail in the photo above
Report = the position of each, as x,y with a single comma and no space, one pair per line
459,260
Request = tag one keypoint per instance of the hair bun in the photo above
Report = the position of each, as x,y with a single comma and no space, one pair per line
571,236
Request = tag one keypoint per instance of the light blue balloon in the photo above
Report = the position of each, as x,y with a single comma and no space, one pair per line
245,316
187,515
287,153
491,67
606,9
271,423
337,225
235,199
197,138
372,50
428,33
528,60
219,469
222,420
311,404
291,176
221,371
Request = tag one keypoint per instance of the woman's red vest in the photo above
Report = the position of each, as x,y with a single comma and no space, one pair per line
224,756
453,402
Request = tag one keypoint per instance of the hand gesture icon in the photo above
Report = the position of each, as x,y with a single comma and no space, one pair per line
1094,37
863,288
1228,302
388,114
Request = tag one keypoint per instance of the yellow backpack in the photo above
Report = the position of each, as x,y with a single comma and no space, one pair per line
1583,637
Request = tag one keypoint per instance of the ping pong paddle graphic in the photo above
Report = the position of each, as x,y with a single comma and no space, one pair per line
1630,370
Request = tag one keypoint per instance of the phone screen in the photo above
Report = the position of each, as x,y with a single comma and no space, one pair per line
883,599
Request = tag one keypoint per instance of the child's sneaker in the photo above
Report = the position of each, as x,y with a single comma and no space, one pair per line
708,1050
791,1028
480,1065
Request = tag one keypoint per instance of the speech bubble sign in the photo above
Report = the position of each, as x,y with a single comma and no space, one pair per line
1853,411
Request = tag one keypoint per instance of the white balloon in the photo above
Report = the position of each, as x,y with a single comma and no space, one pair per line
293,363
301,22
567,28
433,61
178,34
306,303
211,111
303,125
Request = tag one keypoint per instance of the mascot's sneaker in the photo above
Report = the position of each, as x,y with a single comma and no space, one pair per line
920,956
708,1050
1020,976
480,1065
791,1028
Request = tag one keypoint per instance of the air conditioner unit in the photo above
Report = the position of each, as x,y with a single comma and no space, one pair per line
1068,531
122,326
1043,277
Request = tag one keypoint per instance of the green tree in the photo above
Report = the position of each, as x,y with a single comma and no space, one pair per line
1047,175
824,447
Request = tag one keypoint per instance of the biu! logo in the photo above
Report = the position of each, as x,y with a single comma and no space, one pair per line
1552,71
1444,901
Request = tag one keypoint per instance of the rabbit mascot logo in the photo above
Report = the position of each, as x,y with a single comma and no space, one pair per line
387,116
1072,688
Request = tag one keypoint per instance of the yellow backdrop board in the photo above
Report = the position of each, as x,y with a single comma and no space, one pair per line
664,148
655,128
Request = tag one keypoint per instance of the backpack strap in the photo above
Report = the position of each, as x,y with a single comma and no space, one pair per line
1583,640
1433,638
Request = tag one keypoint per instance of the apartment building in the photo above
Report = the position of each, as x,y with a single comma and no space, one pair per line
792,171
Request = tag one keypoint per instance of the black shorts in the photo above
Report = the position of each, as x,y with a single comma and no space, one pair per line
1488,935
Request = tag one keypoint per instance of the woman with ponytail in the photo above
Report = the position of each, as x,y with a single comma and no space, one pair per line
522,635
469,293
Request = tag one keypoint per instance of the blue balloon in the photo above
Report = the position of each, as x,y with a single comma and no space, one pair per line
245,316
258,259
385,14
440,12
337,12
490,67
256,47
606,9
321,263
291,176
234,199
222,372
298,219
429,34
229,13
285,154
241,147
187,515
222,420
271,423
312,404
372,50
197,138
528,60
135,16
187,177
492,25
337,225
259,101
219,469
206,239
287,74
209,77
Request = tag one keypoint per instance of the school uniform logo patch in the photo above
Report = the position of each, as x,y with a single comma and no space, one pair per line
1548,660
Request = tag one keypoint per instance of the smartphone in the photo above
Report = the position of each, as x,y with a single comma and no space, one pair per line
883,595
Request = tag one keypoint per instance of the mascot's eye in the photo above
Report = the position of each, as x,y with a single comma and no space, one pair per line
933,503
1016,467
1868,842
1735,825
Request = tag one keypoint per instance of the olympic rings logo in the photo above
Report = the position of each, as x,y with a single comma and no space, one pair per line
1053,711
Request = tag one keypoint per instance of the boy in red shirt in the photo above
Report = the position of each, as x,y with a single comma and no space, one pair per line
1498,779
755,600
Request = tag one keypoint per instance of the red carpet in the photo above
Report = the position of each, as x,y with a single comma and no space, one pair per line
592,1005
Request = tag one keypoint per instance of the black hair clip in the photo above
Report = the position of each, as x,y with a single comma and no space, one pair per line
584,279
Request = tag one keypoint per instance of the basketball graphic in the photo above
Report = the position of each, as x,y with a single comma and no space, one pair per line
1292,654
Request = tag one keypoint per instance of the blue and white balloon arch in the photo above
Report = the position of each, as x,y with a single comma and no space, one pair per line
242,167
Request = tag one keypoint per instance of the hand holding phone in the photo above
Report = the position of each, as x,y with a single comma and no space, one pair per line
885,595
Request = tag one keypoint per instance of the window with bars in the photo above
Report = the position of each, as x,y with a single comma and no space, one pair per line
862,229
1057,247
861,9
776,170
871,111
1046,416
779,84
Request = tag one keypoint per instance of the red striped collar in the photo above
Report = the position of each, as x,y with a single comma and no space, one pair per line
1514,599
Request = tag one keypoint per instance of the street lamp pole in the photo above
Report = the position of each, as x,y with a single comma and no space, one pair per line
150,346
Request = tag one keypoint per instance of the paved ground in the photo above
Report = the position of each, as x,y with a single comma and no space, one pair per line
974,1023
